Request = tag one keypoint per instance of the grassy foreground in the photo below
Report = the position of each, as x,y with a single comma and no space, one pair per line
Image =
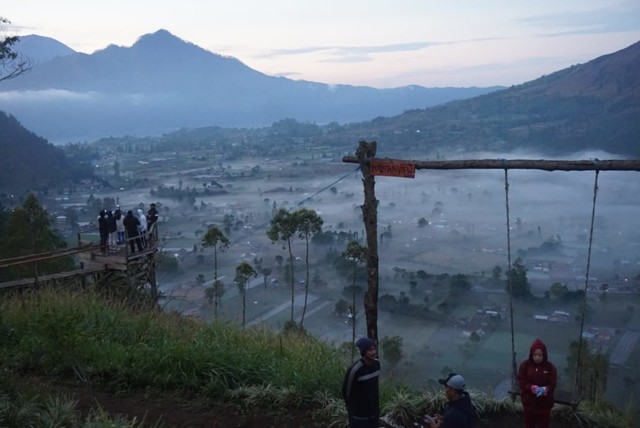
82,336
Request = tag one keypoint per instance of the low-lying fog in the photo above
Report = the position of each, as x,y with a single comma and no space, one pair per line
466,233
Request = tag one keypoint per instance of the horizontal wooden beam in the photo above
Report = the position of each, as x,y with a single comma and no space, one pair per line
30,282
46,256
541,164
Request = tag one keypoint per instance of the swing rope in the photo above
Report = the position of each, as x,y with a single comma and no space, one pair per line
509,283
577,387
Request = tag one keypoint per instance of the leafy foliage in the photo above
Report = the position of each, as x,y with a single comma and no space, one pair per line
216,239
11,64
391,347
589,369
307,223
517,283
244,272
27,231
283,228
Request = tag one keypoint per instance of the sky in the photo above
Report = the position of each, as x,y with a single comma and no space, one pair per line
377,43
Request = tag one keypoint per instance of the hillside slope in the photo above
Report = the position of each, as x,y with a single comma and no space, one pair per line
592,106
29,162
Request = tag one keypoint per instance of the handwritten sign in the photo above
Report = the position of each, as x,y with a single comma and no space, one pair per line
393,168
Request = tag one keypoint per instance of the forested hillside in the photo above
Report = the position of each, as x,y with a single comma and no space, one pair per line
29,162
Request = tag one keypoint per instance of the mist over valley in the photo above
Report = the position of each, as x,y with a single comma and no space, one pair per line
464,233
230,150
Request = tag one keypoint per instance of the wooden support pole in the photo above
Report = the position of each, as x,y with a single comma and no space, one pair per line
365,152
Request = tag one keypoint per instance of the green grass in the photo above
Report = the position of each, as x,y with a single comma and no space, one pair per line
80,334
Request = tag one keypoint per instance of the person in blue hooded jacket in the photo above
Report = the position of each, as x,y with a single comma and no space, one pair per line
360,387
459,411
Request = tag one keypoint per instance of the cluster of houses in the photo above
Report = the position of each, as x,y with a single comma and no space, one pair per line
556,316
484,320
599,338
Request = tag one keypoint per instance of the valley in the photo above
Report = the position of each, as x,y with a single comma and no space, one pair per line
462,233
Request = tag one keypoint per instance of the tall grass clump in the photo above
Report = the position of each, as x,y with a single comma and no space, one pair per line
23,411
329,410
401,405
80,334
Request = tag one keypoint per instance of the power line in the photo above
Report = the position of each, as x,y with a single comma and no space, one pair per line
263,226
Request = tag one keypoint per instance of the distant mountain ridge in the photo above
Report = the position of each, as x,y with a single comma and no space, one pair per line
39,49
590,106
163,83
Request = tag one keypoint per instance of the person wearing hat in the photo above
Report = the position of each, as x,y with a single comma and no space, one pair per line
360,387
537,378
459,411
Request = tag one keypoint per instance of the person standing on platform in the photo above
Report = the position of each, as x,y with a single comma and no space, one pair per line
143,227
112,228
104,231
131,224
152,220
117,214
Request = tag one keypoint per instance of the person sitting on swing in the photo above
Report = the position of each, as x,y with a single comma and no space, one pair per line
537,378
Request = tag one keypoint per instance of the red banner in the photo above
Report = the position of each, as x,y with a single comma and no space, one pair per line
393,168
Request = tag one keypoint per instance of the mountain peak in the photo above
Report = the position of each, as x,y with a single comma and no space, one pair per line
159,38
41,49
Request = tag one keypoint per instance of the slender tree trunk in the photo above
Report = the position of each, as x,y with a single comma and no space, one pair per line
353,308
244,304
306,284
292,279
215,283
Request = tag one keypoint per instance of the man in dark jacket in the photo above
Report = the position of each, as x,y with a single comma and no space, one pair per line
537,378
360,387
131,225
104,231
459,411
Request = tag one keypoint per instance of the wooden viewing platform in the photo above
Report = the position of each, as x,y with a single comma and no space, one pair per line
93,264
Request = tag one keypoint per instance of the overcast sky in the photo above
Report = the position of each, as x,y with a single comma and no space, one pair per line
379,43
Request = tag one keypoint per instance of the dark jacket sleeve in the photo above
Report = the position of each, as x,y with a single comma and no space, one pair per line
454,420
346,384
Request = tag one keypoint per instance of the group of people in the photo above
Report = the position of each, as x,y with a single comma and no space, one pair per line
537,378
117,229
